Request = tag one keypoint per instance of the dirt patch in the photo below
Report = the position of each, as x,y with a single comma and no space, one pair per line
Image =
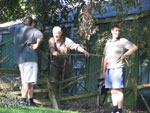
91,107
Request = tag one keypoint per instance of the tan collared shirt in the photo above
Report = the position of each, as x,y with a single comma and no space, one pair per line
114,49
63,46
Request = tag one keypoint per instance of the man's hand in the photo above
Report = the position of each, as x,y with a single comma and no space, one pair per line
34,46
129,52
122,57
87,54
55,53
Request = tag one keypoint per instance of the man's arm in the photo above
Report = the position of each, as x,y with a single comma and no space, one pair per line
51,43
80,49
73,46
35,46
104,67
129,52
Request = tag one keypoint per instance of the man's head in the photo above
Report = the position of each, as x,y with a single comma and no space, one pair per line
115,30
57,33
28,21
34,23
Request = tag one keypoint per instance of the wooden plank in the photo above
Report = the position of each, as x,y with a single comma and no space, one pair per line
1,61
5,70
6,85
79,96
37,101
35,91
146,104
75,77
52,96
15,71
17,84
143,86
42,102
78,78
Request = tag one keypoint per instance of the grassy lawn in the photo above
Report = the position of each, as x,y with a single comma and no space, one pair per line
33,110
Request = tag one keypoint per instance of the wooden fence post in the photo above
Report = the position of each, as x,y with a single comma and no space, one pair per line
51,95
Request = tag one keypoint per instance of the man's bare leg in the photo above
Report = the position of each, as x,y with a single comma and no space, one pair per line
117,100
24,90
120,100
24,93
114,97
30,93
30,96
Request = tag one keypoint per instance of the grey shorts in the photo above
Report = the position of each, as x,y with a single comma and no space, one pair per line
28,71
115,78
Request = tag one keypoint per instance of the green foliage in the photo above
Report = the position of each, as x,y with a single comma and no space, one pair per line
10,10
45,10
100,43
87,24
33,110
137,31
50,13
143,37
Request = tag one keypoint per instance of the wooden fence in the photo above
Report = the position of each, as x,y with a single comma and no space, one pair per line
49,89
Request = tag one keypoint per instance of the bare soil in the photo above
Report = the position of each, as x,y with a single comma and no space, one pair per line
90,107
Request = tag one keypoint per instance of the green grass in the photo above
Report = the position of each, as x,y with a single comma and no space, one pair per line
33,110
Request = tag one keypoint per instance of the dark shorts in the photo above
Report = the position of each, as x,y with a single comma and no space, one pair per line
59,70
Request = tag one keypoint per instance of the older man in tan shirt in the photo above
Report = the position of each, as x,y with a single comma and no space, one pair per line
61,45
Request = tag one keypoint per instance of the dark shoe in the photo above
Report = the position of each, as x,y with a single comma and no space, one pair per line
23,103
32,104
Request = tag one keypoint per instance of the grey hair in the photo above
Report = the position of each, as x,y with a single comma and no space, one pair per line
56,28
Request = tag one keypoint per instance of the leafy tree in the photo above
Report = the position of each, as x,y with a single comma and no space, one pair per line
48,12
10,10
51,12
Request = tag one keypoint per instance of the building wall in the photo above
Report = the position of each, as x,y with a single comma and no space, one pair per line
7,50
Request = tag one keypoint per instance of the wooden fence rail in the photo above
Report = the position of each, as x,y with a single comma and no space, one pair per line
49,89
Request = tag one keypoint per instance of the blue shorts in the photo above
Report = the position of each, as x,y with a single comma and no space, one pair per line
115,78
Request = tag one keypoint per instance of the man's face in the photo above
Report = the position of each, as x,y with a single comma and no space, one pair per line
57,35
33,24
115,32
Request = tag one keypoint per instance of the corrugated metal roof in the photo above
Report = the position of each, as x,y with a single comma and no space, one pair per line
4,28
111,11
